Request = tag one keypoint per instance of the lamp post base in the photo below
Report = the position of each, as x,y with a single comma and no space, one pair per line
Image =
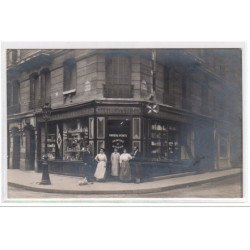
47,182
45,176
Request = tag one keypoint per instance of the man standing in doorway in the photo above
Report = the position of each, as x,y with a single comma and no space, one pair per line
87,164
136,163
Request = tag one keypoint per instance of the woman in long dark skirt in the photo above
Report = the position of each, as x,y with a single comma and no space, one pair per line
125,170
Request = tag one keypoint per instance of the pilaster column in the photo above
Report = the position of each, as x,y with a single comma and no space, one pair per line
23,163
10,156
36,151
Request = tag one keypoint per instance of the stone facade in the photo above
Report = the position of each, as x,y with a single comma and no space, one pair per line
202,84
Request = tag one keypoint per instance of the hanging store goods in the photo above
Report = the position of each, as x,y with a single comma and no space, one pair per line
164,143
59,137
66,140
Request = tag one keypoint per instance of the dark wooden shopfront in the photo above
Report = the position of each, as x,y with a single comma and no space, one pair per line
159,137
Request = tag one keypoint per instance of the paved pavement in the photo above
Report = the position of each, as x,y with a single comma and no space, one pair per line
29,180
230,187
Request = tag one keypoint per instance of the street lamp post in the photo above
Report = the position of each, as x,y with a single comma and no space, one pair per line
46,113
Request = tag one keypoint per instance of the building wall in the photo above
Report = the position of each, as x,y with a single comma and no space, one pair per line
90,70
91,76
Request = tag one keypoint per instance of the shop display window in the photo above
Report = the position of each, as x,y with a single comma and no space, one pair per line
76,137
92,147
164,143
91,128
137,144
100,127
51,142
136,128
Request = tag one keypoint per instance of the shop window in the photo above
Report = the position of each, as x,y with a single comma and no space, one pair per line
100,144
54,141
100,127
45,85
51,142
136,128
91,128
69,75
91,147
223,146
137,144
164,142
76,137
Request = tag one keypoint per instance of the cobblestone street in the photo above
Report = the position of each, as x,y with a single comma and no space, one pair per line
228,188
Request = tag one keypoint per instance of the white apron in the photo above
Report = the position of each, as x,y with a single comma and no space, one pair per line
100,172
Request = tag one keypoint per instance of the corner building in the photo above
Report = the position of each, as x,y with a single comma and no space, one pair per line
102,98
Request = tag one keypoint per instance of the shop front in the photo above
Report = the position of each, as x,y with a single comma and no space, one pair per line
166,140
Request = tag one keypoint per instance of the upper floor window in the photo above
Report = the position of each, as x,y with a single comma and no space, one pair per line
13,93
118,70
168,95
34,86
69,75
12,56
45,85
118,73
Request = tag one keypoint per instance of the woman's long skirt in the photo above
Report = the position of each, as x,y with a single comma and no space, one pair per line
100,172
125,172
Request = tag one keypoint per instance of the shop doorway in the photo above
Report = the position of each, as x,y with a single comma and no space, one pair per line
118,135
16,149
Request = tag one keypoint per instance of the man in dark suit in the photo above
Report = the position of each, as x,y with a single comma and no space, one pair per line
136,164
87,164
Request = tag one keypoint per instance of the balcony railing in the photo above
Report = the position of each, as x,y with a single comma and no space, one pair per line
168,99
14,109
118,90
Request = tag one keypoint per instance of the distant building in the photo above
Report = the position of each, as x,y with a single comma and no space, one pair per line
103,97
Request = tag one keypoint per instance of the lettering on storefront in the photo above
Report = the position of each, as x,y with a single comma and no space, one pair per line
118,110
169,116
118,135
70,114
118,143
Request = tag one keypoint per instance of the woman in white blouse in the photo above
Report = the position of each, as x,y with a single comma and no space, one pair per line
125,170
100,173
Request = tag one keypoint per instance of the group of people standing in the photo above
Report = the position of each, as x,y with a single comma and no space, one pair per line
124,167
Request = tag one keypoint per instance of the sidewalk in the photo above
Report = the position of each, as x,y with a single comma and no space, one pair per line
29,180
